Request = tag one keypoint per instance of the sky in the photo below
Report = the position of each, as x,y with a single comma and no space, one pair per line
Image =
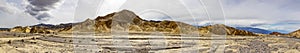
274,15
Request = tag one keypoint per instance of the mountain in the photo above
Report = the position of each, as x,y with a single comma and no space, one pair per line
41,28
295,34
128,21
222,29
281,31
255,30
4,29
44,25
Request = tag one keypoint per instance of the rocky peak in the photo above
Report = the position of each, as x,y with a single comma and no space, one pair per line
221,25
88,20
125,11
118,14
104,18
124,16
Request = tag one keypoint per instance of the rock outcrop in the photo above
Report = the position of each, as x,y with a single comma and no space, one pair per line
20,29
295,34
276,33
37,29
33,29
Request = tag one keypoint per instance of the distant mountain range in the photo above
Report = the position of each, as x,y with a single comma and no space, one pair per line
4,29
128,21
46,25
255,30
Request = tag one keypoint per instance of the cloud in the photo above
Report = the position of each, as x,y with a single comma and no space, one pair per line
274,14
110,6
12,16
64,13
40,9
281,26
171,9
86,9
6,8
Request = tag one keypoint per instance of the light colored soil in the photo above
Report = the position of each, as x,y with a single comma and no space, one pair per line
145,43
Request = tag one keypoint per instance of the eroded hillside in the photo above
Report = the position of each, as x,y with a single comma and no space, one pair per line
128,21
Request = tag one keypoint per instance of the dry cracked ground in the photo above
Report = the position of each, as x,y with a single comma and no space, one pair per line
144,43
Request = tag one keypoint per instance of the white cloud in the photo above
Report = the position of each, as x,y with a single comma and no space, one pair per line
237,12
65,13
275,14
12,16
110,6
86,9
7,8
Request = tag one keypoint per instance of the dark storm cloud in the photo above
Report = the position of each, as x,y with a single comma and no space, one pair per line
40,8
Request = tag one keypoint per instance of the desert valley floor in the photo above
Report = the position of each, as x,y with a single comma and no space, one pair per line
144,43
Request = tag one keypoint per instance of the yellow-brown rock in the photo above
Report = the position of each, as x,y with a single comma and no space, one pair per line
20,29
295,34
